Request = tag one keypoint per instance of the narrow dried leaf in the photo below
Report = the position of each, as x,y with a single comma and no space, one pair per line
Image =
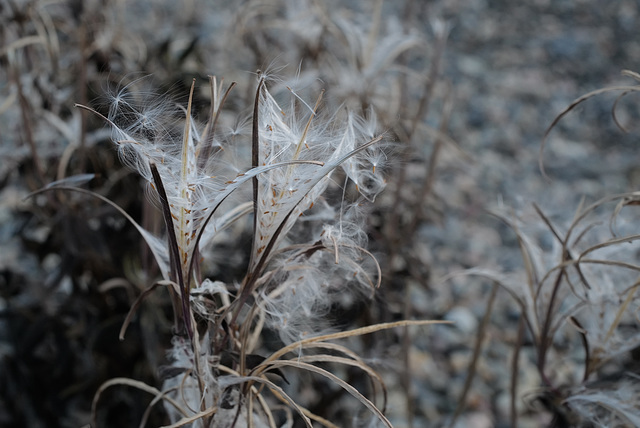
274,389
138,302
134,384
187,420
350,333
350,389
571,106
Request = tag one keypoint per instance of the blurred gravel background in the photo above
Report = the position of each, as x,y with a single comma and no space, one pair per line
514,67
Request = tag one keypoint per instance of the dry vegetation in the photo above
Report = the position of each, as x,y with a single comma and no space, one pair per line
181,249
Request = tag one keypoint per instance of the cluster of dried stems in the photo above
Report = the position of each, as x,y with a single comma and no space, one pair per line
218,326
584,284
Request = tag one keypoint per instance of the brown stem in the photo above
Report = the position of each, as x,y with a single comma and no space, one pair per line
514,371
174,250
26,122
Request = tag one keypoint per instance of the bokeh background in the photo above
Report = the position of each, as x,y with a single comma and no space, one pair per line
464,89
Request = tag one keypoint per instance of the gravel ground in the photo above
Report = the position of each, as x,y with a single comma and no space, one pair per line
515,66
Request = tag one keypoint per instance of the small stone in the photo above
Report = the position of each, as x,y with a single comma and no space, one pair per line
463,319
474,420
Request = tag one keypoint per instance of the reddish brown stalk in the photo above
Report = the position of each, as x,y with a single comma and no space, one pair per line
546,334
421,113
514,371
174,250
82,90
471,372
209,137
429,182
28,132
255,156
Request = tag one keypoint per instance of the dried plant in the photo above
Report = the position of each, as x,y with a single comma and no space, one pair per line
215,378
582,283
255,223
